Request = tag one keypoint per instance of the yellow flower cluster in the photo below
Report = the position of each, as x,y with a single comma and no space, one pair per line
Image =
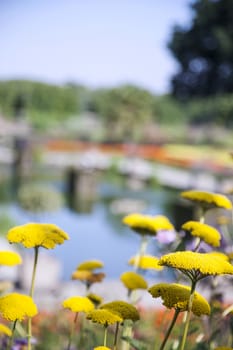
146,224
78,304
10,258
15,306
208,200
177,296
125,310
90,265
101,348
37,235
5,330
223,348
146,262
104,317
205,232
133,280
205,263
88,277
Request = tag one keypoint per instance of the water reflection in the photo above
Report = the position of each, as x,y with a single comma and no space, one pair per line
98,232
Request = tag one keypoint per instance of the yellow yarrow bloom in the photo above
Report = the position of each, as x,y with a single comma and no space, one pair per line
203,263
37,235
104,317
223,348
176,296
147,224
15,306
207,200
101,348
78,304
133,280
145,262
219,255
90,265
5,330
10,258
123,309
88,276
205,232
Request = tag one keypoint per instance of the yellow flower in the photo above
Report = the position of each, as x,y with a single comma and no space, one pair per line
101,348
146,262
88,276
201,263
219,255
10,258
133,280
146,224
123,309
81,275
104,317
177,296
78,304
223,348
5,330
90,265
37,235
208,200
15,306
205,232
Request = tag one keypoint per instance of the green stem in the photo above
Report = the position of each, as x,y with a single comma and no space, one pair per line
189,311
127,333
31,293
72,331
32,288
105,335
197,244
177,311
115,337
12,336
141,252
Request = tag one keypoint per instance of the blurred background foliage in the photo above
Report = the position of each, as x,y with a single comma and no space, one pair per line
201,91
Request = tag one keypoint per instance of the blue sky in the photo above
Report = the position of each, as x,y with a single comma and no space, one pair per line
97,43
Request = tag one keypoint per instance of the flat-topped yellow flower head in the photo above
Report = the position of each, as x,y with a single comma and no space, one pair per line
205,232
90,265
88,276
125,310
223,348
147,224
145,262
10,258
133,280
5,330
207,200
15,306
101,348
78,304
201,264
104,317
176,296
33,235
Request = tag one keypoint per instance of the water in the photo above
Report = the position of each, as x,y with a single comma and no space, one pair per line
99,234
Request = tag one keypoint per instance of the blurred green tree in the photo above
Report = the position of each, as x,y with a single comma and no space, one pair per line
204,51
124,109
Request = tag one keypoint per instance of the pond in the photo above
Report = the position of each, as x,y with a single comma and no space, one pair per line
98,232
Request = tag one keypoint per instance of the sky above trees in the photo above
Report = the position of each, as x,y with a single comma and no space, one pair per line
93,42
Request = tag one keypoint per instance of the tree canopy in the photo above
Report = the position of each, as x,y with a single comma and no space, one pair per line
204,51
